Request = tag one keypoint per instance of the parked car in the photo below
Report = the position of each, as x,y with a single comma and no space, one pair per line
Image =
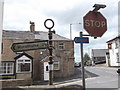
77,65
118,71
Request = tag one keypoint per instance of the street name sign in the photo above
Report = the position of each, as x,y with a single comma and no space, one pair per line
81,40
95,23
26,46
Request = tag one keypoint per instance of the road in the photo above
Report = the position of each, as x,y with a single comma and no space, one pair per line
107,78
104,78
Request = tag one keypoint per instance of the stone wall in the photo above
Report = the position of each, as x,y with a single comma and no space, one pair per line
66,58
8,54
15,82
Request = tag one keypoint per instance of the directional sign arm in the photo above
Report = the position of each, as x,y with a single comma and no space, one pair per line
25,46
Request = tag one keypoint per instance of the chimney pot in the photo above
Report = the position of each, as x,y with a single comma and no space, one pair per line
54,31
32,26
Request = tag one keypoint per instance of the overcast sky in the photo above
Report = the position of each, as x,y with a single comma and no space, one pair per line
18,13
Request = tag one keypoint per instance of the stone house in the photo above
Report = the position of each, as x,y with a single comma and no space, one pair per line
30,64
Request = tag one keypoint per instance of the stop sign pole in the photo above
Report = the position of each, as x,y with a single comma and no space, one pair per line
103,26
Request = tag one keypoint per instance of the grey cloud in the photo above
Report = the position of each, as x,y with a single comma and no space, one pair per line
76,13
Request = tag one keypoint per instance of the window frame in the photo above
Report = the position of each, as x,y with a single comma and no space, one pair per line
61,46
117,57
116,43
23,61
7,68
56,62
119,41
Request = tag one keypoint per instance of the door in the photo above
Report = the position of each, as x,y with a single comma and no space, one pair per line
46,71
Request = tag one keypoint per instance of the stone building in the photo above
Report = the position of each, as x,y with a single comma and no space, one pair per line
30,64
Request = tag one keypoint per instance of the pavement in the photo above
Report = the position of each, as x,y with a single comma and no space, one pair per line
73,82
63,83
76,77
59,83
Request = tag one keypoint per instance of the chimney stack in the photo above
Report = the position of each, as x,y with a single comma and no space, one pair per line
32,26
54,31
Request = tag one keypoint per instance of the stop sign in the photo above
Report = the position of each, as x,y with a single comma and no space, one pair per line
95,23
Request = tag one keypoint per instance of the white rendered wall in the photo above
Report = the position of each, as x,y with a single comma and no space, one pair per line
113,56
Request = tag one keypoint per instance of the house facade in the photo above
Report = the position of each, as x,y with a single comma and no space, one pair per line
30,64
10,62
114,52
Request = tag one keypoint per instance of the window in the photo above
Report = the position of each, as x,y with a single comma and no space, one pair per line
6,68
61,46
119,41
2,48
56,65
117,56
116,43
24,66
109,46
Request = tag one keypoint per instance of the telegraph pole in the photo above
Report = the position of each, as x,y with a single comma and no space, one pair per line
50,50
1,25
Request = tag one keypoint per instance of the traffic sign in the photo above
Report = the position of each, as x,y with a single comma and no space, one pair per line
95,23
25,46
81,40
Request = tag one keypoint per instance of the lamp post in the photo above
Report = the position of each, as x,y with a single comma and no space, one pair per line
71,29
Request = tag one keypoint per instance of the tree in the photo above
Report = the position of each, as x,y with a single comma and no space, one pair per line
86,59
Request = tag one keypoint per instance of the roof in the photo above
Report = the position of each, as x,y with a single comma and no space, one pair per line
7,34
20,55
17,34
46,59
114,39
99,52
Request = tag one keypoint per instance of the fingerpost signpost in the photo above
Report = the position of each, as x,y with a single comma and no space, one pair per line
49,24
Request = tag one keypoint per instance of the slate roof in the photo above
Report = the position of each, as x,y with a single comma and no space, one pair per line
17,34
7,34
20,55
118,37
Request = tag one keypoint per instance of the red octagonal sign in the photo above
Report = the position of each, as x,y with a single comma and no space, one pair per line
95,24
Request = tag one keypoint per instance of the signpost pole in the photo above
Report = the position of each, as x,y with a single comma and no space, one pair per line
50,50
82,62
50,59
